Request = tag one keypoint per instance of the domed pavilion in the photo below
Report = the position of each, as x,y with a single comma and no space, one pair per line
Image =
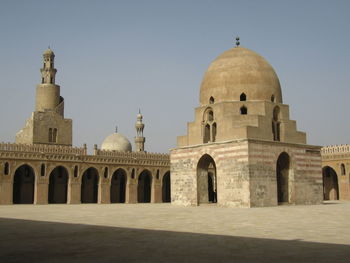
242,149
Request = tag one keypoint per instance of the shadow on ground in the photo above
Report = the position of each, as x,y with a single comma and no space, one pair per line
34,241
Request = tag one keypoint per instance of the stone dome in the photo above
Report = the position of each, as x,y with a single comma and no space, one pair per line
237,71
48,52
116,142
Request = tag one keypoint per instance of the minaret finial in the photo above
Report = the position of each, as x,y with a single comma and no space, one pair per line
116,129
139,111
237,41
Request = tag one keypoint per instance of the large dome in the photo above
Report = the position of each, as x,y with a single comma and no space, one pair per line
116,142
236,71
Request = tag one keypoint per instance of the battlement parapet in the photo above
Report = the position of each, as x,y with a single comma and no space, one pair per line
335,151
42,148
133,155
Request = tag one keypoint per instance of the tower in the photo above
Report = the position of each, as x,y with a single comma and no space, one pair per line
47,124
139,139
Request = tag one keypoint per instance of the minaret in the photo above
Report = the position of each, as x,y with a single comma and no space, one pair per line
139,139
48,93
47,124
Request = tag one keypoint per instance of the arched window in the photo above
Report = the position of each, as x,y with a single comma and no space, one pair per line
157,175
6,168
244,110
211,100
76,171
42,171
50,135
105,172
206,138
210,116
214,131
273,98
276,124
243,97
342,168
54,135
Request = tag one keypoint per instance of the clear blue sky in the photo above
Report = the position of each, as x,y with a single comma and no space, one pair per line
114,57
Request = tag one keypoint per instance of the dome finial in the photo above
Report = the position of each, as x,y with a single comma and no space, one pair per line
237,41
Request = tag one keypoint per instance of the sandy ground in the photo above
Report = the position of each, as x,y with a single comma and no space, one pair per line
167,233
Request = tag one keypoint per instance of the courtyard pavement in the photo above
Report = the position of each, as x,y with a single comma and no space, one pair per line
168,233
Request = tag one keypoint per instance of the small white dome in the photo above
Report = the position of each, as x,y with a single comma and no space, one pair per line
116,142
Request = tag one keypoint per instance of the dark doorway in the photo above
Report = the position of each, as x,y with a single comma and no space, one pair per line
89,186
166,197
282,174
118,186
58,184
23,185
144,187
206,180
330,184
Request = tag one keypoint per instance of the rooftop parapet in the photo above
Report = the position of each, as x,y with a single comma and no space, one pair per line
43,148
335,149
132,155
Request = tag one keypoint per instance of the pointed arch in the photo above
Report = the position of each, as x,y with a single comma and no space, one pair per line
243,97
276,124
206,137
6,168
214,129
166,188
118,186
342,169
23,185
89,186
144,187
244,110
330,183
283,177
206,180
58,184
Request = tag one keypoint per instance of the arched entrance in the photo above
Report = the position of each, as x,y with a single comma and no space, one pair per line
58,183
282,174
166,197
330,184
206,180
144,187
89,186
118,186
23,185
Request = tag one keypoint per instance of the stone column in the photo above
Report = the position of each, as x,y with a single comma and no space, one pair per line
104,193
131,192
156,192
41,192
74,192
6,190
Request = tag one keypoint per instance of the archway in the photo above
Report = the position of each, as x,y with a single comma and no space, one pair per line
144,187
166,194
206,180
23,185
58,183
89,186
330,184
118,186
282,174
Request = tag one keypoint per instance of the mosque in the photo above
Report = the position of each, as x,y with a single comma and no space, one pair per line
241,150
42,166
